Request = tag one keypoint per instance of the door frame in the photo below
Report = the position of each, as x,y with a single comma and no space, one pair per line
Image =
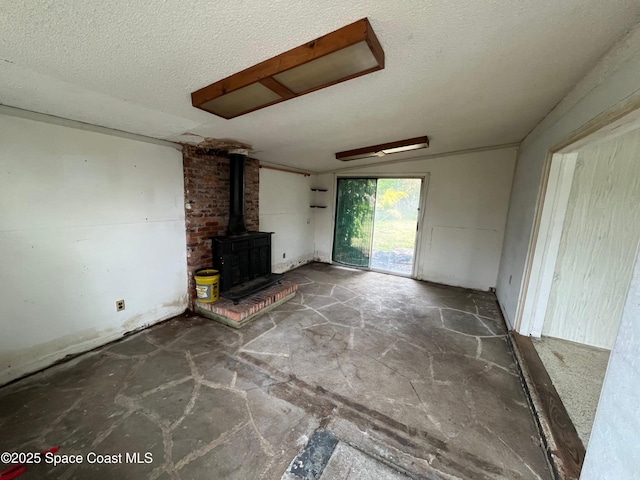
547,247
418,250
552,206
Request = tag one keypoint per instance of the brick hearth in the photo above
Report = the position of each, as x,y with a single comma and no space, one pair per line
249,308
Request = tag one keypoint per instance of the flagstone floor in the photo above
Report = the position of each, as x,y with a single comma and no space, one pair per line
414,376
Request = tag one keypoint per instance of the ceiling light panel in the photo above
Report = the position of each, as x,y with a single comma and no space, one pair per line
330,69
384,149
244,99
347,53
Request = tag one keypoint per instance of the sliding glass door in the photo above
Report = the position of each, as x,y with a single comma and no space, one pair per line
353,233
376,223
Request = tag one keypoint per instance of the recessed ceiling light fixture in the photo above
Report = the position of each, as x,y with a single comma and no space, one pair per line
347,53
384,149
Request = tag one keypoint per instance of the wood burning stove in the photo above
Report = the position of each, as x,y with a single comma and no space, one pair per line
243,258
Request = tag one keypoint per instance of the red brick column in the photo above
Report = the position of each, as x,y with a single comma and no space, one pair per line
206,203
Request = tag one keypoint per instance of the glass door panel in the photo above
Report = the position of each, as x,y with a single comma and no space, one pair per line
353,232
395,225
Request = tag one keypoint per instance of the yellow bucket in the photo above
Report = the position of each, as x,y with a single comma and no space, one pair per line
207,285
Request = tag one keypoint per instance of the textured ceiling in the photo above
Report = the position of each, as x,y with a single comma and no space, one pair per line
467,73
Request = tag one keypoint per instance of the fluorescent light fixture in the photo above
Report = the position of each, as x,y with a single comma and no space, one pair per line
384,149
347,53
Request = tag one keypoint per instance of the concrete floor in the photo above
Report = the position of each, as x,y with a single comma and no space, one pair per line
577,372
411,378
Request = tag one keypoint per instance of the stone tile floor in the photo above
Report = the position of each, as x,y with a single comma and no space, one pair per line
416,375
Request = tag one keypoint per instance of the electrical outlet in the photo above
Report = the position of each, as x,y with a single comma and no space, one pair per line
119,305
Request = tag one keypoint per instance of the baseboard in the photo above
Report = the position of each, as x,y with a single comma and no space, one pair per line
24,370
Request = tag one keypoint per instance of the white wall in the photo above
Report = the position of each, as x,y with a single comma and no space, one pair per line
614,449
285,200
85,219
324,218
598,245
616,78
614,445
466,209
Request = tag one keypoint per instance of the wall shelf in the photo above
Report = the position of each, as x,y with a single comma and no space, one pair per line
316,202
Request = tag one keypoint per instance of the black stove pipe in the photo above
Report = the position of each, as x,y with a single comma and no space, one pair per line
237,225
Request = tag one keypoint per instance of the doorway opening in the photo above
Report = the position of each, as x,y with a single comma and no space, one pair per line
587,239
377,222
